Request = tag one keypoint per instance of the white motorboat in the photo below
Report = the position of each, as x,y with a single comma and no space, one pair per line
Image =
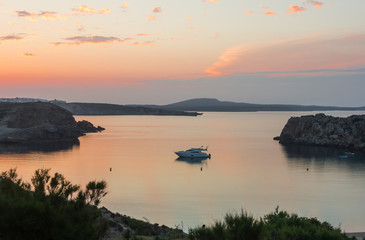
194,153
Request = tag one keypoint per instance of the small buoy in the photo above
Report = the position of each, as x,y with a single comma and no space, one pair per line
110,169
307,169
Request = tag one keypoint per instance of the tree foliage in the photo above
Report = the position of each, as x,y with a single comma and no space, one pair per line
49,208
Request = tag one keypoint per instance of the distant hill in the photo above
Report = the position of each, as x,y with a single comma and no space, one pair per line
214,105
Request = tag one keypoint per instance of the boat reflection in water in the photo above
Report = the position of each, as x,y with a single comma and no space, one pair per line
194,161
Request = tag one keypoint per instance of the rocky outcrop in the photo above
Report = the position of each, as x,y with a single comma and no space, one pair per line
125,226
323,130
39,122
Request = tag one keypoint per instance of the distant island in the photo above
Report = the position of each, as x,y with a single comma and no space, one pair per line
190,107
215,105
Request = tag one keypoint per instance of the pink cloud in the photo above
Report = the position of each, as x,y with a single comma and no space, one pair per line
295,8
125,5
270,14
213,1
306,57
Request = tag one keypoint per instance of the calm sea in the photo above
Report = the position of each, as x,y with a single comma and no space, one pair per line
248,170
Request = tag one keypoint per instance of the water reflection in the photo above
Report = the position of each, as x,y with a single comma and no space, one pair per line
319,156
203,162
48,147
192,160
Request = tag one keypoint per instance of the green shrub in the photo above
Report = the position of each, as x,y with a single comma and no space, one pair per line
55,209
278,225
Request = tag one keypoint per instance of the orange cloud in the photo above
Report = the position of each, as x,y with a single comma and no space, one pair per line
226,59
125,5
295,8
95,39
143,34
317,4
86,9
147,43
213,1
266,8
105,11
270,14
306,57
249,12
156,9
151,18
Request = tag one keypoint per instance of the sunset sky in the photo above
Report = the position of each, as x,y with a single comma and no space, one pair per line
163,51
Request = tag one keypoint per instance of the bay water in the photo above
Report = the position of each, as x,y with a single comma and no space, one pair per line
248,170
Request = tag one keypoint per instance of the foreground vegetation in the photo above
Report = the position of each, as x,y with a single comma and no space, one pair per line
278,225
53,208
49,208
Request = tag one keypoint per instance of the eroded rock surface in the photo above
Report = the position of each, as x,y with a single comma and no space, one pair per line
39,122
324,130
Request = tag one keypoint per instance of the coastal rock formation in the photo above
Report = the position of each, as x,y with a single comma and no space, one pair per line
323,130
39,122
123,226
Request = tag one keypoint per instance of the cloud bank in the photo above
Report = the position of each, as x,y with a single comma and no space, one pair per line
94,39
46,15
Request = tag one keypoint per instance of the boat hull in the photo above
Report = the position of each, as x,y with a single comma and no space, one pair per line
184,154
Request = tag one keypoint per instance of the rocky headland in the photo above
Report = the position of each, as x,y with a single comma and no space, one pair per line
40,122
323,130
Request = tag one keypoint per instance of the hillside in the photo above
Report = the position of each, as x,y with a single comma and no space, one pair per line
214,105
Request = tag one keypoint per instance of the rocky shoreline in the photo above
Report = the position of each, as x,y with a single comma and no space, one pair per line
322,130
39,122
125,226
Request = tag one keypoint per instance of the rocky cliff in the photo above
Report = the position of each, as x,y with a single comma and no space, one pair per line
324,130
39,122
